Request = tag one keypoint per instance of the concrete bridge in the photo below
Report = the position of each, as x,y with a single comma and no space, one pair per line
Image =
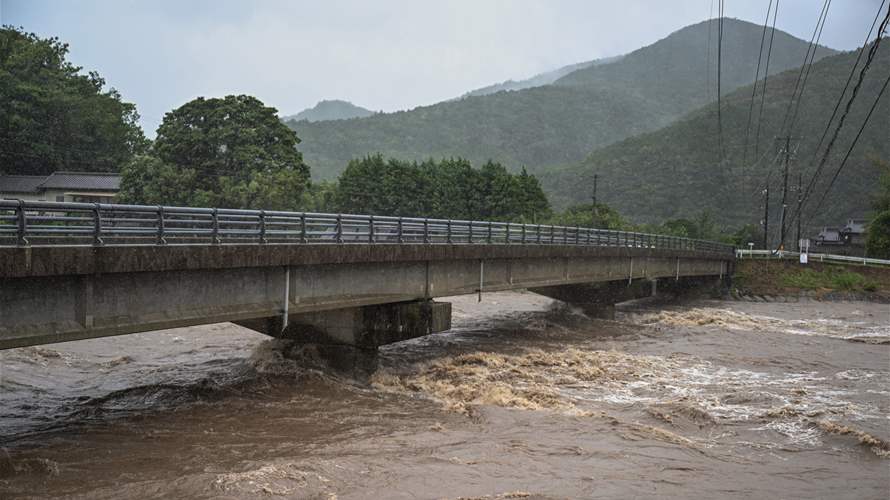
71,271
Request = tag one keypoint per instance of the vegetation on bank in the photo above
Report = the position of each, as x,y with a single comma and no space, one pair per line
780,277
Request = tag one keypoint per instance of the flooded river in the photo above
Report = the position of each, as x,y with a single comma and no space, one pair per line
522,399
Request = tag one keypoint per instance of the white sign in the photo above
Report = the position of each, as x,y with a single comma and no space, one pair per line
803,258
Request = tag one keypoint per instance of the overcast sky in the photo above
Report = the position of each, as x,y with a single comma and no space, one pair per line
383,55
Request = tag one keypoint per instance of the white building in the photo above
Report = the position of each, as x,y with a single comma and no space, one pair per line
90,187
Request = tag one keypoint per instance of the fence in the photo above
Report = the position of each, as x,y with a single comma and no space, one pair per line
54,223
813,257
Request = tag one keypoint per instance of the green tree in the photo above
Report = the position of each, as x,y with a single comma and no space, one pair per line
600,216
450,188
231,152
53,117
877,242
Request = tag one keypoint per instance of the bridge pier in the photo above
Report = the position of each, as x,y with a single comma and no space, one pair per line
347,339
598,300
366,327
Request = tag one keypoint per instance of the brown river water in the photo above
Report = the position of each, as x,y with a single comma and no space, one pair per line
524,398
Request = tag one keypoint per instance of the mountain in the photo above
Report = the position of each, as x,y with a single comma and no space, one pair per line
561,123
676,171
539,79
330,110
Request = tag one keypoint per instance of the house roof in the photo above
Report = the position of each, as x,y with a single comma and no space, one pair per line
21,183
99,181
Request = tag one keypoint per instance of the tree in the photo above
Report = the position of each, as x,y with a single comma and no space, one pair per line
231,152
586,215
52,117
450,188
877,243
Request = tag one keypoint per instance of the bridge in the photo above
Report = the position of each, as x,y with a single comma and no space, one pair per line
71,271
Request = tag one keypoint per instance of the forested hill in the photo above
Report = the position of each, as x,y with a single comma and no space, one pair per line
330,110
540,79
675,172
674,70
552,124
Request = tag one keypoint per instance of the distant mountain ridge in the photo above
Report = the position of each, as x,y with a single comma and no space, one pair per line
676,171
558,124
334,109
540,79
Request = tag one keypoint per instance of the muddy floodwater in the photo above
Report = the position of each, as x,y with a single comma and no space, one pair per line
524,398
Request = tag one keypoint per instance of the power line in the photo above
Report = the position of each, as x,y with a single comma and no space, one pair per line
853,145
708,57
809,65
871,54
765,79
840,98
803,68
719,77
756,79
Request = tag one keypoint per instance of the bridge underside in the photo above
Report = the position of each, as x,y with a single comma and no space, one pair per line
56,294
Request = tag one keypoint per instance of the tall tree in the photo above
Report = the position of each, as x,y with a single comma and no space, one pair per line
53,117
450,188
230,152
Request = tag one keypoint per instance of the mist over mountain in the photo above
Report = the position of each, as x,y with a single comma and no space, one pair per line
540,79
334,109
676,171
561,123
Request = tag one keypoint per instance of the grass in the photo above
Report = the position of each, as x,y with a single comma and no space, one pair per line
830,278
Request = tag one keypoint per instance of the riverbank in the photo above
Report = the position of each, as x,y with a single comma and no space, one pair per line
763,278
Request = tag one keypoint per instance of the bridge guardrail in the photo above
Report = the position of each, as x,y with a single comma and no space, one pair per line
25,223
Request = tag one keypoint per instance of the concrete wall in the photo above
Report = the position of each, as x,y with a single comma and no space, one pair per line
56,294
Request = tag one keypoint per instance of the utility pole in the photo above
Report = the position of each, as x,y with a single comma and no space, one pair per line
595,211
787,162
799,205
766,218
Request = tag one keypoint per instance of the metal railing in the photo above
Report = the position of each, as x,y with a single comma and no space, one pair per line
25,223
811,256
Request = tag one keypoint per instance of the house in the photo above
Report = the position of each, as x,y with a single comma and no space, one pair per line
88,187
842,240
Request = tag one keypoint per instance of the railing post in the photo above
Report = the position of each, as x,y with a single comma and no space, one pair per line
565,235
470,233
22,224
523,233
371,229
401,239
97,225
507,238
262,227
339,228
215,230
552,234
426,231
538,227
489,232
448,231
577,234
162,240
303,238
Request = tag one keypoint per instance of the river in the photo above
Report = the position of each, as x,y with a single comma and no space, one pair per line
523,398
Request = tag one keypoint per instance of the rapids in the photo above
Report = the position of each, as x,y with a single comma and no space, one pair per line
523,398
